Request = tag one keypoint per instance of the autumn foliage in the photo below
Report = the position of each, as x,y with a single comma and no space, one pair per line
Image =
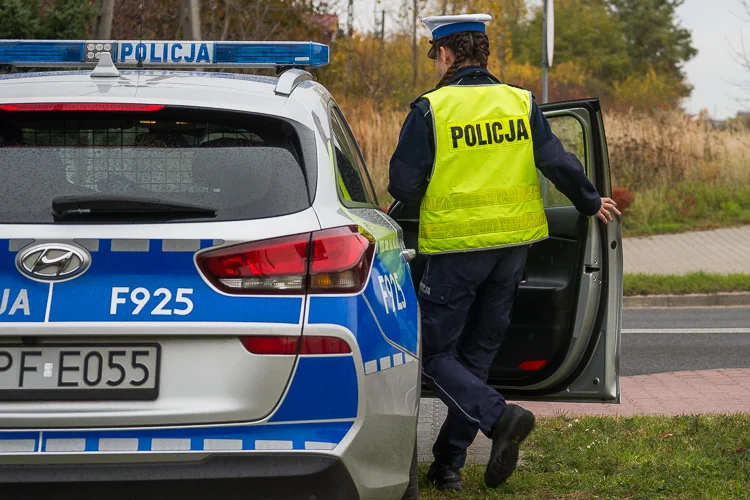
623,197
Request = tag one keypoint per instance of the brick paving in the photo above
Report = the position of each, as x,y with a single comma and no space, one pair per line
674,393
722,251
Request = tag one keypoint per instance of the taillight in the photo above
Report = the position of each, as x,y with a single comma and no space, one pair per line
283,345
80,106
339,260
328,261
273,266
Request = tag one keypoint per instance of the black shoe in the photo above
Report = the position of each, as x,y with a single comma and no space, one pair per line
444,478
509,431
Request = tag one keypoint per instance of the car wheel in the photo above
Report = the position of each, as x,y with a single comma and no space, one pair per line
412,491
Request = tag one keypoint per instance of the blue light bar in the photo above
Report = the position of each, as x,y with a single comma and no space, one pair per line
270,53
129,53
28,52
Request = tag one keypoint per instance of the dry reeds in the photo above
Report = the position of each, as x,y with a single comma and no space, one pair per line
646,151
663,149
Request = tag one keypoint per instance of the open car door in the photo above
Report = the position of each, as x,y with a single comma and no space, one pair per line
564,339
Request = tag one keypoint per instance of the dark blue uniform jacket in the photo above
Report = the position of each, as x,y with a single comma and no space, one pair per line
414,157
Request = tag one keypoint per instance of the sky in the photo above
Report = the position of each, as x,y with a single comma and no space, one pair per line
716,25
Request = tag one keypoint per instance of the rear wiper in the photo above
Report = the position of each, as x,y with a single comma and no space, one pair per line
117,205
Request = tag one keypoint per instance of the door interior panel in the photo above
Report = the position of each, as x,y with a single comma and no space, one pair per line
540,327
543,314
543,356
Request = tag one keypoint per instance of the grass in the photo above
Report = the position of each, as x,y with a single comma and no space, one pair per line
685,206
687,457
683,174
655,284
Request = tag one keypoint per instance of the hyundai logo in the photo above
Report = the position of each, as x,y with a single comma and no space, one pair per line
53,261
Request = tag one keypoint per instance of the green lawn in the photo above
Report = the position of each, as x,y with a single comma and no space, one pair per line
690,457
687,206
655,284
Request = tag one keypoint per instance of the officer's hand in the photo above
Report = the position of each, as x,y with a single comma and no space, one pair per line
608,205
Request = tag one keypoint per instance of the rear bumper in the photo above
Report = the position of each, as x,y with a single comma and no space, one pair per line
257,475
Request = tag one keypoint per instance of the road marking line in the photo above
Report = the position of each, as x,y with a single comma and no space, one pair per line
686,330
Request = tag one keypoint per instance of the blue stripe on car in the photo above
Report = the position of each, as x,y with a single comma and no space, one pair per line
147,264
279,437
322,388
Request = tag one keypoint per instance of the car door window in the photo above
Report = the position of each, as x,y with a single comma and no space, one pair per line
353,179
573,137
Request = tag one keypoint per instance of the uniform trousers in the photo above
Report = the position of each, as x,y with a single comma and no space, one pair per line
466,300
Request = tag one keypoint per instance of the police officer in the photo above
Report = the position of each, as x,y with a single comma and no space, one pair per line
468,154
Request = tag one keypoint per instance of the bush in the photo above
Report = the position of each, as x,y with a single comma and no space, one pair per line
648,92
623,197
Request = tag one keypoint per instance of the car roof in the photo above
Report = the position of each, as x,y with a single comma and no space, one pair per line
230,91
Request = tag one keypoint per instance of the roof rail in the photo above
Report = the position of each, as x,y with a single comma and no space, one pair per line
289,80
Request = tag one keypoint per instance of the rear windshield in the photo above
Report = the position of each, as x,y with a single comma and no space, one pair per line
244,166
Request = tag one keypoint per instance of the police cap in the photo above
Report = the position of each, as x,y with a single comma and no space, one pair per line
442,26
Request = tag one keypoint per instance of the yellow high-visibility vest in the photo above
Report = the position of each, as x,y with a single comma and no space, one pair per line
484,190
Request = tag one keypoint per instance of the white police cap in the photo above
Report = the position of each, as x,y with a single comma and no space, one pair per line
441,26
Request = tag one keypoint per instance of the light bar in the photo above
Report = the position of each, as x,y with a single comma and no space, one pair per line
135,53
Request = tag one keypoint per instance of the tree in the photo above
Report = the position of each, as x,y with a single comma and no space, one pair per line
191,19
411,15
53,19
506,18
585,33
103,29
66,20
647,92
742,56
364,68
220,19
655,40
18,19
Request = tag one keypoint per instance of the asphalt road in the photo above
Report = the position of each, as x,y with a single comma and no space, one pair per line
665,340
676,317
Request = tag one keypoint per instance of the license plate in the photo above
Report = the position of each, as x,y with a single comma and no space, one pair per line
79,372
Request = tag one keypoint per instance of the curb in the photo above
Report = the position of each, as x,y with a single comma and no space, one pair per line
693,300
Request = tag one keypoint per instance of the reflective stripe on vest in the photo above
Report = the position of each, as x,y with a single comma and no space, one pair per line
484,191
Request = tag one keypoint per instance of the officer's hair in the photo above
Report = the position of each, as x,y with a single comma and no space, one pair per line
468,46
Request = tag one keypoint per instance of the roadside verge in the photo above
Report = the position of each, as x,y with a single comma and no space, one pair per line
697,289
690,300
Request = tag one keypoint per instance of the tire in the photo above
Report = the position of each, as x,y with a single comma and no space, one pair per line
412,491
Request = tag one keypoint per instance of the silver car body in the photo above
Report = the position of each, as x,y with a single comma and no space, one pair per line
215,398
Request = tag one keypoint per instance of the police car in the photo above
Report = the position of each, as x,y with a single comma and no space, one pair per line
199,290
